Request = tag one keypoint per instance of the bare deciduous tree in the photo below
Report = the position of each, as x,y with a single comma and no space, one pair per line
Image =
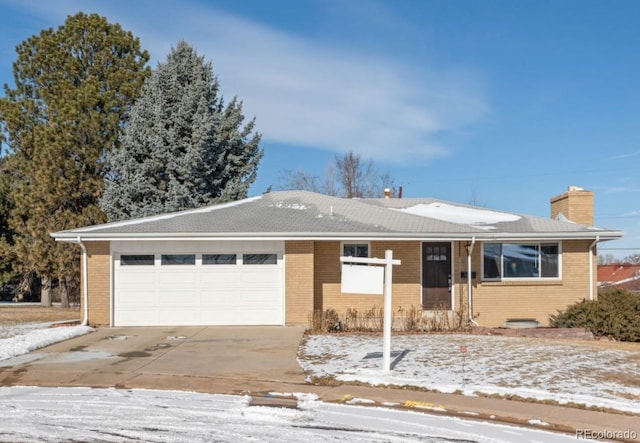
633,259
607,259
347,176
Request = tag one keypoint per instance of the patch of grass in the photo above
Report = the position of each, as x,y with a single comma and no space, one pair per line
16,314
327,380
555,403
627,379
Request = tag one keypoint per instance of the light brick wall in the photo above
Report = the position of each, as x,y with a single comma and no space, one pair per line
299,281
312,282
406,277
99,258
494,302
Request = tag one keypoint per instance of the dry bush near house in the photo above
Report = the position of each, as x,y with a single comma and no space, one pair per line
409,320
370,320
324,321
439,320
16,314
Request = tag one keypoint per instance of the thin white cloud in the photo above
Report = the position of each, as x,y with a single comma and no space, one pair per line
625,155
305,93
632,188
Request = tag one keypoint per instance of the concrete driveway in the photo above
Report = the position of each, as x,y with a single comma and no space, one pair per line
205,359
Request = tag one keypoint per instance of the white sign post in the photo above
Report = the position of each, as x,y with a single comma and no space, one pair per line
350,284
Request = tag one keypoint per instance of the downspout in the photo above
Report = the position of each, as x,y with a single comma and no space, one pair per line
85,282
593,245
469,252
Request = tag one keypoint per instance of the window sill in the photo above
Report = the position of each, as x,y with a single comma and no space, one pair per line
524,282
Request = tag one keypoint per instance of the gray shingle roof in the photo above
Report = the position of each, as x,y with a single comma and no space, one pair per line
303,214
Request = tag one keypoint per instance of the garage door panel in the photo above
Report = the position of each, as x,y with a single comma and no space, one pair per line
257,298
168,297
221,297
199,294
137,317
147,298
261,276
179,316
217,276
137,278
178,278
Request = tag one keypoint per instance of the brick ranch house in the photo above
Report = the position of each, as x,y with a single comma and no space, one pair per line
275,258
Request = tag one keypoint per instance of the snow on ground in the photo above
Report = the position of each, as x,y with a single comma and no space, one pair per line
21,339
529,368
119,415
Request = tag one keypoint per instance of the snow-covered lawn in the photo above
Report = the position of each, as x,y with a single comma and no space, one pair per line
566,372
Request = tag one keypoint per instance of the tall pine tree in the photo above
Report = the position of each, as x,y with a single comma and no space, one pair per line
73,89
182,148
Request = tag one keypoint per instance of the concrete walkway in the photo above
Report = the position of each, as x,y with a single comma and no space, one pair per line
261,362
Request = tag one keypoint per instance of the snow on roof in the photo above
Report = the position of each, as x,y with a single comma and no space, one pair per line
479,218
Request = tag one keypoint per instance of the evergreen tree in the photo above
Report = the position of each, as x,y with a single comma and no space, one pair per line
182,148
6,235
73,89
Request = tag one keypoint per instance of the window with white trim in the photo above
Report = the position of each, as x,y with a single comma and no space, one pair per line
504,261
351,249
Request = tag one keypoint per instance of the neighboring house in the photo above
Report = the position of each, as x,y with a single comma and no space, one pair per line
275,258
619,276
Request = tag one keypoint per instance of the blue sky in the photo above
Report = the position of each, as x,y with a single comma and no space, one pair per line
502,103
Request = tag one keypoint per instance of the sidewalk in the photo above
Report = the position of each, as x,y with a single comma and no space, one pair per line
572,421
617,427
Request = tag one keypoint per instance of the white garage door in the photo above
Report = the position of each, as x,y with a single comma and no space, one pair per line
198,283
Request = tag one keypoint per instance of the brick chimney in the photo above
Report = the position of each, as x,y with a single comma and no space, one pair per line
576,205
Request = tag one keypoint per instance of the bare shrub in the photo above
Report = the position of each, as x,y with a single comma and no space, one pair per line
324,321
412,320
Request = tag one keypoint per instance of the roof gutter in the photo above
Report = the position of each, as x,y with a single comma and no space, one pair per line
200,236
85,282
591,249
